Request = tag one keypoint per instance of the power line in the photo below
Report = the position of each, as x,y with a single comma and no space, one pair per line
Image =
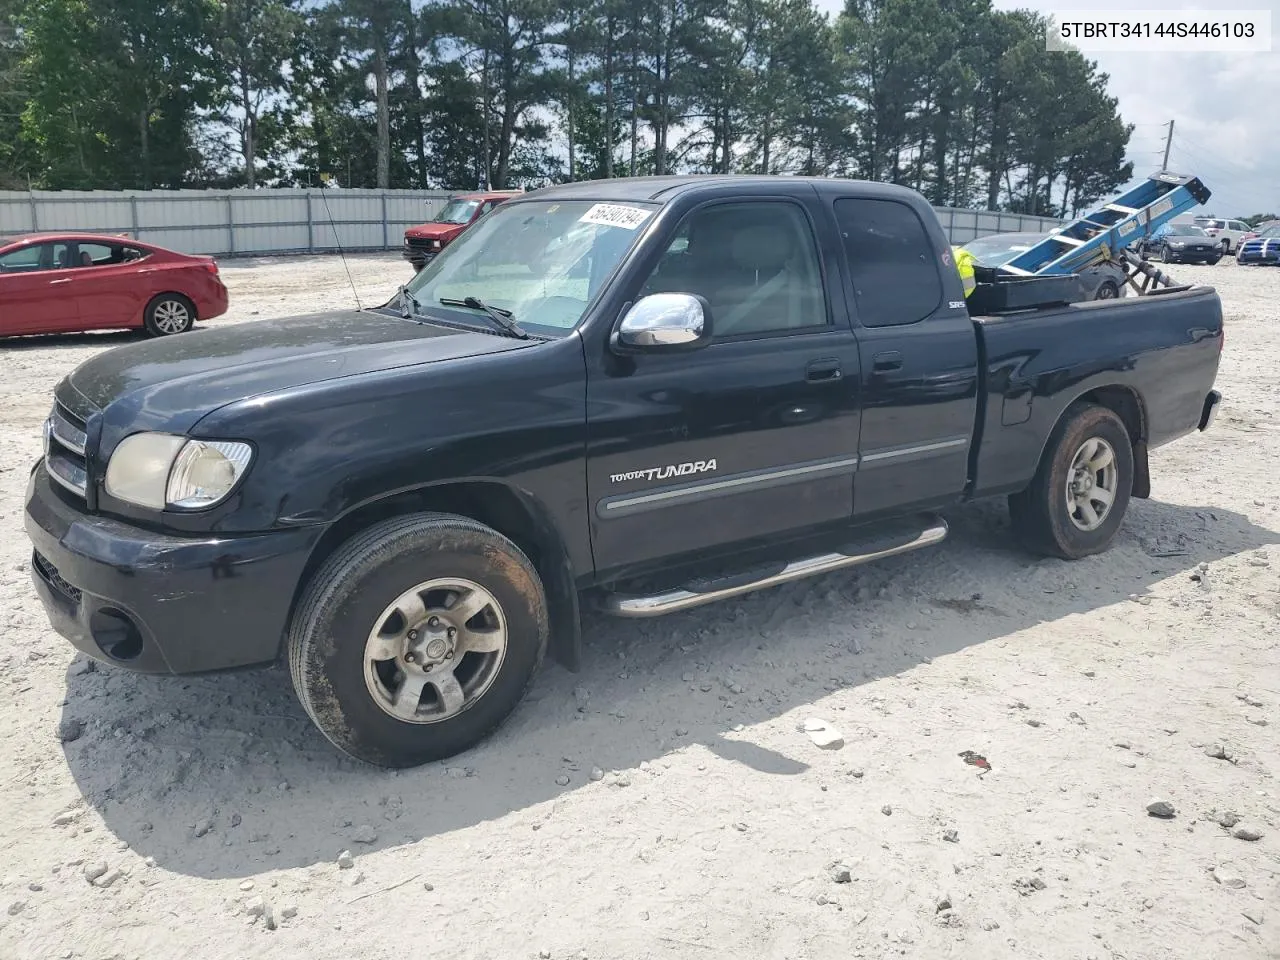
1242,196
1221,159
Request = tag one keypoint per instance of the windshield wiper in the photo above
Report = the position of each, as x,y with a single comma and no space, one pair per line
409,304
502,318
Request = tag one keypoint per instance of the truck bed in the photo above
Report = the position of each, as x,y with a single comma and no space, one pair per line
1162,355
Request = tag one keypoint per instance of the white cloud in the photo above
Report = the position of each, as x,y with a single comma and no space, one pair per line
1225,106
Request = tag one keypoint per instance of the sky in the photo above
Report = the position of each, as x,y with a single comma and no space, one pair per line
1225,106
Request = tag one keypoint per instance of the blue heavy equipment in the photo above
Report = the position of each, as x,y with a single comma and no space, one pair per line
1102,234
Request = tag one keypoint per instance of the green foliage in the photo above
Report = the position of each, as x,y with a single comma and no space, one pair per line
951,97
116,86
255,43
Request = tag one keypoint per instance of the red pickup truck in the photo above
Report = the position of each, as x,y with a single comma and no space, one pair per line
423,242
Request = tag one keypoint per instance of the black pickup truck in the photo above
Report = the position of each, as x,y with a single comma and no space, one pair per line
693,388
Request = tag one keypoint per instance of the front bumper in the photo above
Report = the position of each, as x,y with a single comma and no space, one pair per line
1259,253
154,603
1183,254
418,253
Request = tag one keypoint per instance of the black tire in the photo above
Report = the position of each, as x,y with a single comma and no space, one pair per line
1214,261
168,314
344,601
1165,255
1040,515
1107,291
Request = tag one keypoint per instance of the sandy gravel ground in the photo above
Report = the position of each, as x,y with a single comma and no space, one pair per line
207,807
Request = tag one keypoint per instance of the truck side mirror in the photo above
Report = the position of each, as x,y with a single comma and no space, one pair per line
664,323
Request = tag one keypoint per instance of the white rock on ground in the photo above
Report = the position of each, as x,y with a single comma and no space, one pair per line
823,733
1174,659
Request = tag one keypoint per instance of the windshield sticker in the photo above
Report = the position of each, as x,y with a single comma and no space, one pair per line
614,215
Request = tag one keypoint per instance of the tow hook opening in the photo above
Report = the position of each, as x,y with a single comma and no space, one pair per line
115,634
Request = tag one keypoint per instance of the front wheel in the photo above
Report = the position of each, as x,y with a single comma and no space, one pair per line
168,314
417,639
1077,499
1108,291
1165,255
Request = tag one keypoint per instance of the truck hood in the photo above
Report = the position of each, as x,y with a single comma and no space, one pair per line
175,380
434,231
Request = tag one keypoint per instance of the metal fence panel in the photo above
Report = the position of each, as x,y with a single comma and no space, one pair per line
231,222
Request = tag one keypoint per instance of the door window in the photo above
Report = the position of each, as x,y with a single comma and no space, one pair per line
755,263
100,254
891,261
24,259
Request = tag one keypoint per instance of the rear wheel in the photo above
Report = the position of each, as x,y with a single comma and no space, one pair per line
1076,502
417,639
1108,291
168,314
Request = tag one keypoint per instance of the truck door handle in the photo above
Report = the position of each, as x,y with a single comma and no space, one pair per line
820,370
884,362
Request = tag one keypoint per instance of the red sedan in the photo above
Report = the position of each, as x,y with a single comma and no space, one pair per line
70,282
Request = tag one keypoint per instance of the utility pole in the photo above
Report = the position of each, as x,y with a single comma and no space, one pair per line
1167,144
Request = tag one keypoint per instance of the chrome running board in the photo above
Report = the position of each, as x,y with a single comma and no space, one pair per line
899,538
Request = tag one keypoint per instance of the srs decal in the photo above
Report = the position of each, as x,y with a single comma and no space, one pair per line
664,473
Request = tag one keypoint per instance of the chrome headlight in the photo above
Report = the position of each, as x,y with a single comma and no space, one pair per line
159,470
1176,243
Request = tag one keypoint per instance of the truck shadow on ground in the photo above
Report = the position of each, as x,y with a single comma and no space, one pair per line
225,777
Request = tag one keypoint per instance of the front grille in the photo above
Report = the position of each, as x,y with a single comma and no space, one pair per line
51,575
419,245
65,450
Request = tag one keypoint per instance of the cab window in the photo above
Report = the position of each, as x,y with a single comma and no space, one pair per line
891,261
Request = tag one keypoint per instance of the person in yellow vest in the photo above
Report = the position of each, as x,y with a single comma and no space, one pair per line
964,264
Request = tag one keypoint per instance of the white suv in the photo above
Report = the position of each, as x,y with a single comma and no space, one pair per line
1228,232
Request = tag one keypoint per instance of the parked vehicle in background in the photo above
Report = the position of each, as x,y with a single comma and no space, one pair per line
698,387
73,282
1228,233
1104,281
1263,249
423,242
1180,243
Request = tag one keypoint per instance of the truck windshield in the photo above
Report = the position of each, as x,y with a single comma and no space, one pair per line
457,211
541,262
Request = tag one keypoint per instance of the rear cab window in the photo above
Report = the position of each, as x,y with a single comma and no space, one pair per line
891,260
